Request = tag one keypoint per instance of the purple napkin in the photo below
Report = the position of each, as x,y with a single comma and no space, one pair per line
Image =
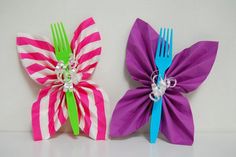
190,68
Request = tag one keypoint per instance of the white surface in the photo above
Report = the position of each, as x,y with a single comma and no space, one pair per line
17,144
213,104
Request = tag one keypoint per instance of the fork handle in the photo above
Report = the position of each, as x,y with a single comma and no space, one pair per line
156,113
155,120
72,112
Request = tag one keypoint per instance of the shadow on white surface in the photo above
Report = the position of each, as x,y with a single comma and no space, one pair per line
206,144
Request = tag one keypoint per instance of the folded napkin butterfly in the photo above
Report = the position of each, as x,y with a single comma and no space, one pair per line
189,69
50,110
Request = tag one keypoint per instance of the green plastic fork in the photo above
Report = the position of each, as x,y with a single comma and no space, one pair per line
63,53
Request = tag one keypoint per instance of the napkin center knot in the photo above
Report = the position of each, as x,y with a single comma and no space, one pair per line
66,73
158,89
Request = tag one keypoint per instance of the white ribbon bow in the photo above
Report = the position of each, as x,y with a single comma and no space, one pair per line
158,90
66,73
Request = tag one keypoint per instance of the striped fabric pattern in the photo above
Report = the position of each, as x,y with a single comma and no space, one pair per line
49,111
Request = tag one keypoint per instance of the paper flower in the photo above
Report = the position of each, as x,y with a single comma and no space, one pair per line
189,68
49,111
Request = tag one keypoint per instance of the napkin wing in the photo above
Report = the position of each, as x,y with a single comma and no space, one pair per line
177,120
140,52
192,66
37,56
131,112
86,47
48,112
91,101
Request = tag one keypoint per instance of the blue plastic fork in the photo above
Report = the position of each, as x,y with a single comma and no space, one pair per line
163,61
